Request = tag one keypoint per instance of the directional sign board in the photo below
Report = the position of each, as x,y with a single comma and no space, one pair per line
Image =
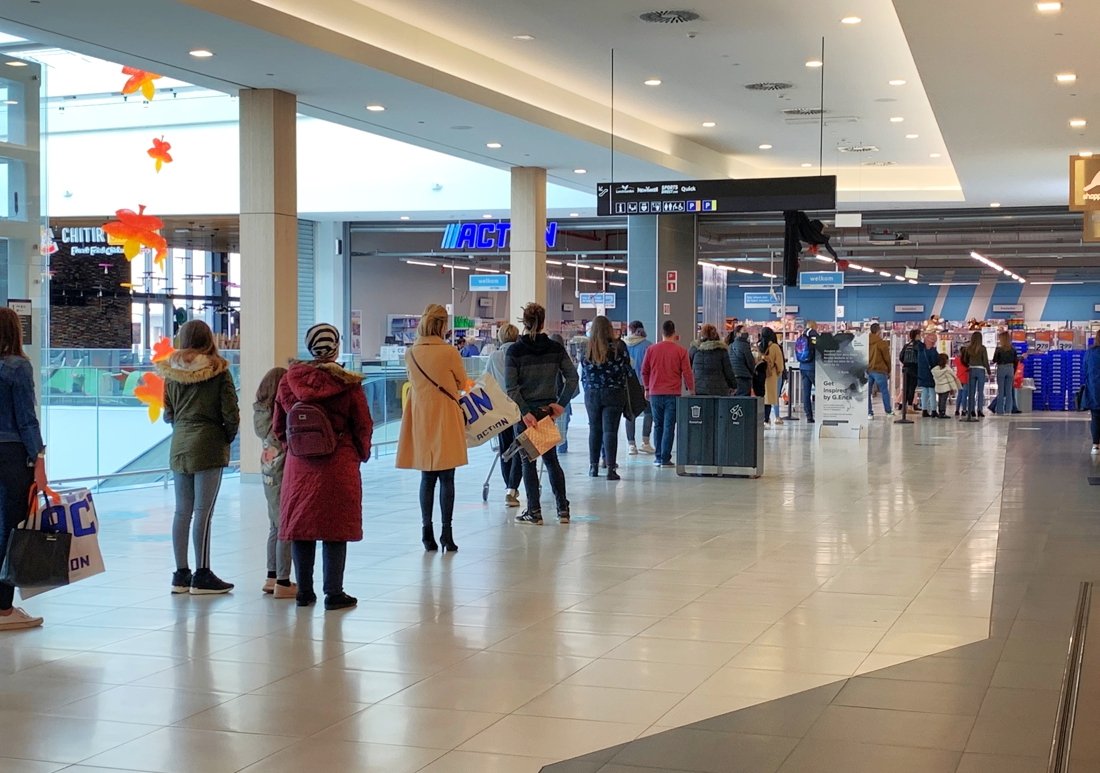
595,300
760,300
489,283
773,194
821,280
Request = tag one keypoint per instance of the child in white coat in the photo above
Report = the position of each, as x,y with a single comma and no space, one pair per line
947,383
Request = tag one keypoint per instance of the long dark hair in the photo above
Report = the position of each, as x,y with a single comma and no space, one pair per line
269,387
11,334
767,338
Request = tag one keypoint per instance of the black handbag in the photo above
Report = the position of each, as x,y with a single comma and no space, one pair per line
636,404
36,558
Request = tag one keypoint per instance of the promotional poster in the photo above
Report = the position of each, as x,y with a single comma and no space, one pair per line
842,385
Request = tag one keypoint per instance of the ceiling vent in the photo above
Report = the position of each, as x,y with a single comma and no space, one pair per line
669,17
804,111
858,149
770,86
814,120
879,163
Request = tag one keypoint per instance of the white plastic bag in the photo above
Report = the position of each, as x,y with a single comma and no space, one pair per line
488,411
76,515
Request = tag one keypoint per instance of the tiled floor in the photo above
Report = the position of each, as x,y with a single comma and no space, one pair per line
668,601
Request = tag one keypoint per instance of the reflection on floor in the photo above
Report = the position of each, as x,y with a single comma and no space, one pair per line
667,602
986,707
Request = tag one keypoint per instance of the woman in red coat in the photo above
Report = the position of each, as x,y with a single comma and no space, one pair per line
322,495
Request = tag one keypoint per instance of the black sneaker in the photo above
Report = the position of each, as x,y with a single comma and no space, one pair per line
535,519
563,515
206,583
340,600
305,598
181,581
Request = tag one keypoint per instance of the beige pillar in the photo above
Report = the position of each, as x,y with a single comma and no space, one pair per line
269,246
528,240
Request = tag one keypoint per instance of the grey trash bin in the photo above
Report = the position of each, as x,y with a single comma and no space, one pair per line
739,437
695,420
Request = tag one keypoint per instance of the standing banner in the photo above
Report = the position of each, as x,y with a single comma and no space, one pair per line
842,385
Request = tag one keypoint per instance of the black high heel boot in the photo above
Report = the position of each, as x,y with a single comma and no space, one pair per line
447,541
428,538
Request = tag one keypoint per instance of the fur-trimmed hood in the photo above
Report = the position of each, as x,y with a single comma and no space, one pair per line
313,380
709,346
633,340
188,367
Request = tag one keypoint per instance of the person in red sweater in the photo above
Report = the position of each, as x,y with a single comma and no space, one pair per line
665,372
961,370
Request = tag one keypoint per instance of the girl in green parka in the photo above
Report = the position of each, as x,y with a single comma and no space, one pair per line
200,402
272,461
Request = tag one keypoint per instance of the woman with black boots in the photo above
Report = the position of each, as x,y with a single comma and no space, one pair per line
604,370
433,428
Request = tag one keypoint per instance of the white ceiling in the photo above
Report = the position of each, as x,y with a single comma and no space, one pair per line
982,72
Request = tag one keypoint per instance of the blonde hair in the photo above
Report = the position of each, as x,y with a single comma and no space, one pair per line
433,322
600,341
508,333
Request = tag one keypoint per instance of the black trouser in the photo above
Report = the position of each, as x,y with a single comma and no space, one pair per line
305,555
512,469
531,481
446,480
16,479
943,402
744,387
605,409
910,381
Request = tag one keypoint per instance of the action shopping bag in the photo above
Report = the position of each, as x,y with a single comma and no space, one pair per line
37,554
535,441
72,514
488,411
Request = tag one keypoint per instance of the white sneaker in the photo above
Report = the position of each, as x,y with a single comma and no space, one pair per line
1096,449
647,448
18,620
778,421
633,450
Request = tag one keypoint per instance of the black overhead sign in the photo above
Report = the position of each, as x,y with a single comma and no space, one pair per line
704,197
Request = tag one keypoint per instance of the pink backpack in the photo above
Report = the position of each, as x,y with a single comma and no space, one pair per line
309,431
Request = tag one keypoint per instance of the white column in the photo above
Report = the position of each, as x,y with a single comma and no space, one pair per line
269,245
528,240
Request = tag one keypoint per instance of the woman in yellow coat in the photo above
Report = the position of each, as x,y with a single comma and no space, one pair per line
433,427
773,356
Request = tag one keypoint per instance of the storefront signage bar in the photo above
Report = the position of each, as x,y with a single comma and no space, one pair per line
489,283
1008,308
487,236
910,308
773,194
595,300
821,280
760,300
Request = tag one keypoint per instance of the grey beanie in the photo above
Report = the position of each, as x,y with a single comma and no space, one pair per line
323,341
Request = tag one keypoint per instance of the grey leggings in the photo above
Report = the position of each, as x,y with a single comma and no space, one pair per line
278,552
195,493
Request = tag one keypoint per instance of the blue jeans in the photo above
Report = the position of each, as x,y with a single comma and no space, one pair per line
976,391
808,377
305,556
883,382
1006,380
664,425
960,398
928,399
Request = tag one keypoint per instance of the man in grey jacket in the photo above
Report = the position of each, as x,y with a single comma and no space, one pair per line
744,364
532,368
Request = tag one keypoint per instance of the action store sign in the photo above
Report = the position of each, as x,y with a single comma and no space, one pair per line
487,236
842,384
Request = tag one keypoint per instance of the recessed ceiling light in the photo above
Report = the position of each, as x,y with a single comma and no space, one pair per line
897,82
404,217
912,136
1078,123
574,214
765,146
1085,154
807,166
580,171
523,37
851,20
709,124
375,108
1066,77
16,63
995,204
493,145
1048,7
896,119
201,53
934,155
486,217
815,63
653,82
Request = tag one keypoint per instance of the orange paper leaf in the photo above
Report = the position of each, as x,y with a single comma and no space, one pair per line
159,151
163,349
151,392
140,80
135,231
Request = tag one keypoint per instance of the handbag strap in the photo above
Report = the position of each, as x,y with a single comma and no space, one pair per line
425,375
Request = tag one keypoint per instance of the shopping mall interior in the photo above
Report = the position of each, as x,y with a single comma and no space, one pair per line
899,592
